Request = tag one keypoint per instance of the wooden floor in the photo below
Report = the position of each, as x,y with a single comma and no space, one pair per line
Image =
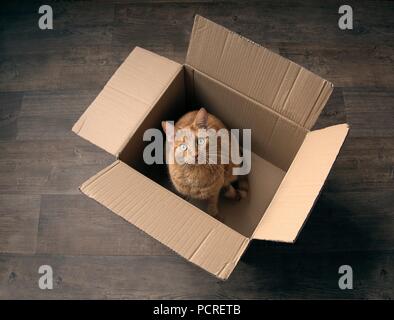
48,78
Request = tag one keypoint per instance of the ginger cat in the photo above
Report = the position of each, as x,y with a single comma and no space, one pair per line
205,180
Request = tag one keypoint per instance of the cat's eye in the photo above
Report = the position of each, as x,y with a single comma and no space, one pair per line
183,147
201,141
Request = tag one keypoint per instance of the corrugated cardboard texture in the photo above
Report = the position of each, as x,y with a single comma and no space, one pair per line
258,73
299,189
176,223
274,138
126,99
170,106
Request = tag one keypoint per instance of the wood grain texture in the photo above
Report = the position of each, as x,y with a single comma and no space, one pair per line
48,78
280,275
72,225
19,216
50,166
50,115
10,104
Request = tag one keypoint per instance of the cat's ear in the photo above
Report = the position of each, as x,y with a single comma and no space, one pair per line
169,130
164,125
201,120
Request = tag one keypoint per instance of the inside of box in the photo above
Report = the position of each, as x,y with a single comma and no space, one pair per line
275,141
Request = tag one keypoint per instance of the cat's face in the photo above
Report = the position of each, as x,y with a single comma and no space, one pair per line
190,144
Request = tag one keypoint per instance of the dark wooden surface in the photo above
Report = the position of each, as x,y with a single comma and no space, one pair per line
48,78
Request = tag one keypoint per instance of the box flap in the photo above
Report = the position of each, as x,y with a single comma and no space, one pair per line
301,185
126,99
275,82
176,223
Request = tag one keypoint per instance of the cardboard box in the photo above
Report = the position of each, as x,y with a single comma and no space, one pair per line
245,85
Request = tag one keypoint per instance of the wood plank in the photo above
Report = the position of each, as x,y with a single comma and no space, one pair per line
41,178
49,115
76,49
286,276
303,22
370,112
169,36
75,68
364,164
343,222
76,225
10,105
345,65
333,112
51,166
73,25
351,221
19,215
71,151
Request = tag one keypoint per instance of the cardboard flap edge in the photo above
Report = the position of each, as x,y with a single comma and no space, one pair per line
185,229
299,190
126,99
257,72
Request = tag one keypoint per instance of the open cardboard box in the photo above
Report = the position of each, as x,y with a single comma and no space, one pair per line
246,86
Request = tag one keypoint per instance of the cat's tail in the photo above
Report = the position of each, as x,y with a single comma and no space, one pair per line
243,186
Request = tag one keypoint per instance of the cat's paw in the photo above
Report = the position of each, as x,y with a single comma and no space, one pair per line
213,211
239,195
243,194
